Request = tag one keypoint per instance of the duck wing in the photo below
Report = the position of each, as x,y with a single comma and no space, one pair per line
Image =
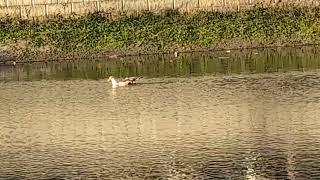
131,79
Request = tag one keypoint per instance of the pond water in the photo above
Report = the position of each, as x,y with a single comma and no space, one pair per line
238,115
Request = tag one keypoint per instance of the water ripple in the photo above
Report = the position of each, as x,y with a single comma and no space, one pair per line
204,127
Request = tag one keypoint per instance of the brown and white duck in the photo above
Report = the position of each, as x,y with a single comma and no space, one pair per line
125,82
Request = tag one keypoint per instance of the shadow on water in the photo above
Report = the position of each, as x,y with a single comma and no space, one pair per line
156,82
238,62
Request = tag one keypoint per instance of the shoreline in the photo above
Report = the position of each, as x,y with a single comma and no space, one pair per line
100,36
123,56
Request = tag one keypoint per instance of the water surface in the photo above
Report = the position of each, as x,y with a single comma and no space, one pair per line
239,121
186,65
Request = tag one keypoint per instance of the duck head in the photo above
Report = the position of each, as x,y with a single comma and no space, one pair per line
110,78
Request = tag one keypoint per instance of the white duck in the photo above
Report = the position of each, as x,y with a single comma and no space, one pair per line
126,82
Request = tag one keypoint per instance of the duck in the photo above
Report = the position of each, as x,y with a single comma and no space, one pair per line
176,54
125,82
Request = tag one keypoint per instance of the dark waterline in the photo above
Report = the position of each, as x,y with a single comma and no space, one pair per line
218,63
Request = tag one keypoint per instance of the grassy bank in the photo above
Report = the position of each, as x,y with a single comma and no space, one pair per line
168,31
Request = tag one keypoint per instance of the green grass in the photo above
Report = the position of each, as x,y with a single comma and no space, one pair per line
167,30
